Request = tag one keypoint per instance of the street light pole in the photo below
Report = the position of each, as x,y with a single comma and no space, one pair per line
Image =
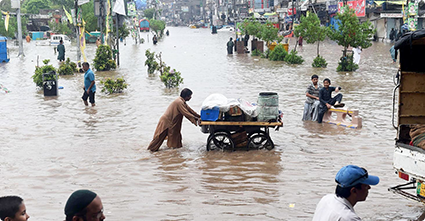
21,46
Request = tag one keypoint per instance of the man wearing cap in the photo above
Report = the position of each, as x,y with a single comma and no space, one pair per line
84,205
353,184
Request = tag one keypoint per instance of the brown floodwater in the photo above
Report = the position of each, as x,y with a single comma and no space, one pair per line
51,146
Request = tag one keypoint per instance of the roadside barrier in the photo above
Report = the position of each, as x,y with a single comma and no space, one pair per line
341,118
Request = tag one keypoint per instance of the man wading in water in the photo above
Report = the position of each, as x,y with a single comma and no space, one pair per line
170,123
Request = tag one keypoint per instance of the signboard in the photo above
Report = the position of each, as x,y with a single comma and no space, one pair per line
15,3
358,6
131,9
332,9
391,15
412,23
185,8
290,11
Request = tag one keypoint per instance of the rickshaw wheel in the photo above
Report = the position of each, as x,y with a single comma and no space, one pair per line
220,141
260,141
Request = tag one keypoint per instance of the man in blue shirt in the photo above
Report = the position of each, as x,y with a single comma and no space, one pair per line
326,99
89,85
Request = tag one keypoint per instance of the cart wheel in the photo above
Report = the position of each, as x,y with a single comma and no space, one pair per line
260,141
220,141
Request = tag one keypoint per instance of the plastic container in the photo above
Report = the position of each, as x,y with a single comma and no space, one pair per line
50,85
210,114
268,106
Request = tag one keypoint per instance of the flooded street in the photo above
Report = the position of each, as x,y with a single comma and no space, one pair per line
53,146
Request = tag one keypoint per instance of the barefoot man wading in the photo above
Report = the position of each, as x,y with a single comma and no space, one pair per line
170,123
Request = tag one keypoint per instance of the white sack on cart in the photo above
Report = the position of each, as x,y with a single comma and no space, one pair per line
248,107
216,100
224,104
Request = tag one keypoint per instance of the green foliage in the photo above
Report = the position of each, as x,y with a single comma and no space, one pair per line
149,13
61,28
103,60
123,31
39,71
266,32
269,33
157,26
255,53
293,58
278,54
319,62
151,62
265,54
68,4
13,26
311,30
67,68
110,86
33,6
6,5
250,26
347,64
351,33
172,78
88,16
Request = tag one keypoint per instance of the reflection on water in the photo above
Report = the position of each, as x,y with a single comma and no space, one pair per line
53,146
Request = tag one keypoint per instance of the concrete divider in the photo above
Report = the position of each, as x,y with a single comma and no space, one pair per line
341,118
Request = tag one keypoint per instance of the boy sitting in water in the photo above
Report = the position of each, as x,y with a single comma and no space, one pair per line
12,208
326,99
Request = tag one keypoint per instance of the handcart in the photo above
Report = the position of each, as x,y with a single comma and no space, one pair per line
228,135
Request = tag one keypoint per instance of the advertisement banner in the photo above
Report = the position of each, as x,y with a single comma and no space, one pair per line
413,9
358,6
412,23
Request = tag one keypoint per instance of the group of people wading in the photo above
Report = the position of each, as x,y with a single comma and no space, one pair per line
319,99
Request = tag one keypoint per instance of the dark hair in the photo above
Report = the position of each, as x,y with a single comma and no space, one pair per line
86,63
9,206
328,80
185,93
345,192
314,76
231,38
81,214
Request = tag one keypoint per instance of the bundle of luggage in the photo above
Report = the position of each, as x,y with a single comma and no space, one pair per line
217,107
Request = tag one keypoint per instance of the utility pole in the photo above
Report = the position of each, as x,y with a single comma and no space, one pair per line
21,46
77,31
118,39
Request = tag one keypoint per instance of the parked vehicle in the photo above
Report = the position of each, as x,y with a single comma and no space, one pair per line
54,39
409,152
144,25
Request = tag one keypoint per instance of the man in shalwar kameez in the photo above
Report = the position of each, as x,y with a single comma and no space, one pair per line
170,123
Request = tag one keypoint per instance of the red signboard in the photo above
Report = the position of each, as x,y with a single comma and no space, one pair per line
290,11
358,6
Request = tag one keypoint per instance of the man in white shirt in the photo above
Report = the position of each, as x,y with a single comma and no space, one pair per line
353,186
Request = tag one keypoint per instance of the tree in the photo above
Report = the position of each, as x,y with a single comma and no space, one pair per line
250,26
157,26
311,30
149,13
13,27
34,6
269,33
5,5
89,17
61,28
351,32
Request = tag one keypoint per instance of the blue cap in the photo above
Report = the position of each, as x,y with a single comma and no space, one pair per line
352,175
